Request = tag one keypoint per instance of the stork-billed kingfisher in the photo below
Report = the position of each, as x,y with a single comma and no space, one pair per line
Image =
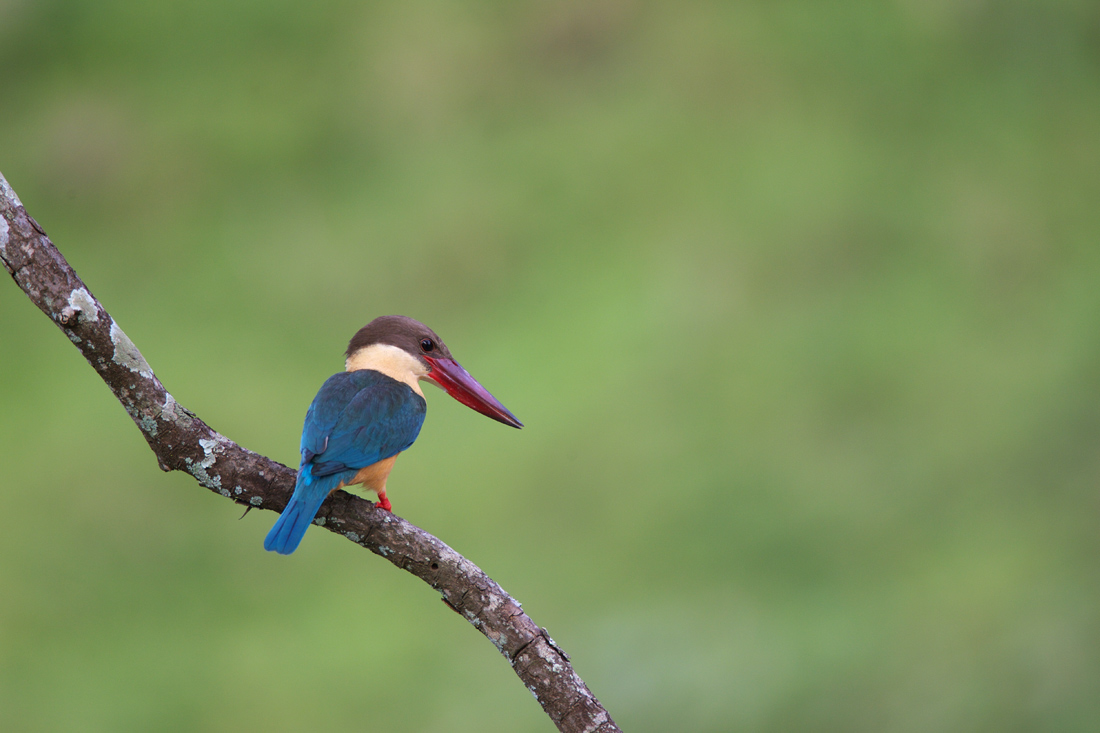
364,416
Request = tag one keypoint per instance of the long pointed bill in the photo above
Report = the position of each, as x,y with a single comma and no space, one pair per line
450,375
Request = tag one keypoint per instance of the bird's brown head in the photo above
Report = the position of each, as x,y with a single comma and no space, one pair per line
407,350
407,334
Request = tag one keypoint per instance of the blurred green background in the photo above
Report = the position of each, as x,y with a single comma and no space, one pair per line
799,301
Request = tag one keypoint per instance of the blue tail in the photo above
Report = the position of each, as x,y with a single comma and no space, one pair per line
309,494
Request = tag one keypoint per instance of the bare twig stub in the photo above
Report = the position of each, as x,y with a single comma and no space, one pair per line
183,442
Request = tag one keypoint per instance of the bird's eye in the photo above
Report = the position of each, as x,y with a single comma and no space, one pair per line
427,345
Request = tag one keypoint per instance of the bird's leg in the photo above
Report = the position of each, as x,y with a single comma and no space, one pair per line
373,478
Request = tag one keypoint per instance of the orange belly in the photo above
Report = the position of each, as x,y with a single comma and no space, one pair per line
374,476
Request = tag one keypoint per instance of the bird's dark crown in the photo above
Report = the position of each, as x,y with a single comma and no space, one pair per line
403,332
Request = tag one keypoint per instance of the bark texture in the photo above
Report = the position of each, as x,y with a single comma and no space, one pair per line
183,442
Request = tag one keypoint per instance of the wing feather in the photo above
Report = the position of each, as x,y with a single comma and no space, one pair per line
357,419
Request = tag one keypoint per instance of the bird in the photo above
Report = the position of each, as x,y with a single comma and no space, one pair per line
363,417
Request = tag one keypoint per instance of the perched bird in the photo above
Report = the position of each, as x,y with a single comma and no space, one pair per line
364,416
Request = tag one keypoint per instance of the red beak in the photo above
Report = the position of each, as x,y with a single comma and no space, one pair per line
450,375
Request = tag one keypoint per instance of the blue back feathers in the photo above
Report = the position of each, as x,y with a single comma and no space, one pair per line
357,419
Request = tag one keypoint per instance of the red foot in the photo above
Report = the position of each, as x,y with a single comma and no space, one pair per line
384,503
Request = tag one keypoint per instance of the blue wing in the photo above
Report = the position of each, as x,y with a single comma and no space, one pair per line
357,419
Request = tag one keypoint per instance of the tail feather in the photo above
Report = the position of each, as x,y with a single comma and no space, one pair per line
309,494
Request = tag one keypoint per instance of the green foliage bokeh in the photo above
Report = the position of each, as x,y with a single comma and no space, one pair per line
799,301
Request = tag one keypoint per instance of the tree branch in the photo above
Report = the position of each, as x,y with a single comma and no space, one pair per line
183,442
